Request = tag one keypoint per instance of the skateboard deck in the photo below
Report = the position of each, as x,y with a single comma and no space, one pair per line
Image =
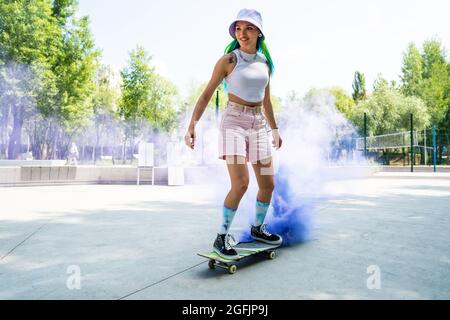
244,249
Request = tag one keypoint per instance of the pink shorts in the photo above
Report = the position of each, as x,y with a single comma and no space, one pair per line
243,132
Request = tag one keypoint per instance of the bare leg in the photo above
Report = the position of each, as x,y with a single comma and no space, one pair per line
238,171
264,177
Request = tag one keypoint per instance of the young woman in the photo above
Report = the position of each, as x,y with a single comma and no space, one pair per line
246,68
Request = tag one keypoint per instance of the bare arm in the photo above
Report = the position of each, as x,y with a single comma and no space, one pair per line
268,112
219,73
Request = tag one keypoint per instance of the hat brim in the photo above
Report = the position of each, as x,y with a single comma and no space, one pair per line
252,21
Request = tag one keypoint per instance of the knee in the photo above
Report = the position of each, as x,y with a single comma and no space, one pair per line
268,187
240,186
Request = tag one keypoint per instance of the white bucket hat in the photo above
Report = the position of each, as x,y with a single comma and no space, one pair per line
249,15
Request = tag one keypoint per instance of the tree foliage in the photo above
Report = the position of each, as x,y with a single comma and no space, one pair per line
359,87
57,49
426,75
146,96
388,111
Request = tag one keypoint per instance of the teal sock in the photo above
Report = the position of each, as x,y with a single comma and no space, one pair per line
228,215
261,211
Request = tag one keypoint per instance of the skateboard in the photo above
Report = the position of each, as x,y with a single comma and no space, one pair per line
244,249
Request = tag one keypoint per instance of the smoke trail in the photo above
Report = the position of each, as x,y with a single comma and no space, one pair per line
316,136
317,139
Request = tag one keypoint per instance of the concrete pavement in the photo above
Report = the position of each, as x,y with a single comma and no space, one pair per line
139,242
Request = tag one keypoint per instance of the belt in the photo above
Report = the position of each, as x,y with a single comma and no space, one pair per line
244,108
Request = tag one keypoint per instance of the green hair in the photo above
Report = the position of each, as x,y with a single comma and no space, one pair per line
260,47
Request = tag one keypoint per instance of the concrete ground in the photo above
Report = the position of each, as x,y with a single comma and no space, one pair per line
382,237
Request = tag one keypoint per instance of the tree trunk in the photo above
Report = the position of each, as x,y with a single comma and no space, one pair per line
49,142
124,150
44,148
114,146
16,134
422,157
403,156
132,147
439,156
55,143
34,142
44,143
448,149
4,132
97,139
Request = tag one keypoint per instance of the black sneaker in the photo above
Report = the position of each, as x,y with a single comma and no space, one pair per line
223,248
260,233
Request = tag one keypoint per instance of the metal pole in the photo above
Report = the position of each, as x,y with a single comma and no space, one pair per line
425,144
434,147
412,143
365,134
217,104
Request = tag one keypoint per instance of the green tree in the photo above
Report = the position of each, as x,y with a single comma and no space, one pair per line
146,98
197,89
161,113
57,49
335,96
433,54
135,98
388,111
104,104
28,34
435,89
74,69
359,87
411,76
276,103
381,83
344,103
427,76
63,10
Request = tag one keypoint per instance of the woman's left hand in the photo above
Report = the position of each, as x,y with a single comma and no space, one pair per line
277,141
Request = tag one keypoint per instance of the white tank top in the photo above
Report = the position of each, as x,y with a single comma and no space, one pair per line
250,76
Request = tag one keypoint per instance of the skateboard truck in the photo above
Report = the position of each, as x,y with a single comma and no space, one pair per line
244,249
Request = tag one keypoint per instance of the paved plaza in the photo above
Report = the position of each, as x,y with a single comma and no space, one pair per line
385,236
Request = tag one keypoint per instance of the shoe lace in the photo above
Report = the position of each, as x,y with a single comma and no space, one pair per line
264,230
228,244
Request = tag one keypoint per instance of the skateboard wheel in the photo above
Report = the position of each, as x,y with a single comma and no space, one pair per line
271,255
232,269
211,264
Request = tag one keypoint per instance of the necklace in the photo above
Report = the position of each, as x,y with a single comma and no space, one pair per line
240,54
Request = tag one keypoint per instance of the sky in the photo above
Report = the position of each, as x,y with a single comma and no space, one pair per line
314,44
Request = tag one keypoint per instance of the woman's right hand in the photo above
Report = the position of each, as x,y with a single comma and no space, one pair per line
189,138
